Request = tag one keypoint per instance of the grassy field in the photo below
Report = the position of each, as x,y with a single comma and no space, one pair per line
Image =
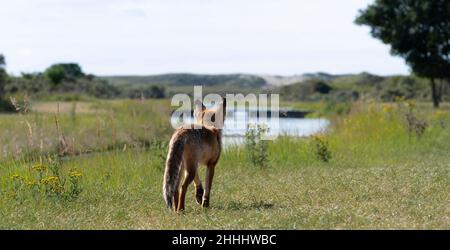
379,166
83,127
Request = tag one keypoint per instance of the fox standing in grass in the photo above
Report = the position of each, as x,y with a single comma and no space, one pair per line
190,146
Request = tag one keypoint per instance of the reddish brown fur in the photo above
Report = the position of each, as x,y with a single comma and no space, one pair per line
188,148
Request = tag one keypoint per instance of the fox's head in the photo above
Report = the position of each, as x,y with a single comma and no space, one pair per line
213,117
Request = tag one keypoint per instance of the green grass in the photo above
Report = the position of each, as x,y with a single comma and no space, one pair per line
86,127
379,176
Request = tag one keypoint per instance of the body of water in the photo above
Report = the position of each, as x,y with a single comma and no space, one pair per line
237,122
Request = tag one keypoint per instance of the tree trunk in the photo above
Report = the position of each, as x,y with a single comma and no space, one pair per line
435,93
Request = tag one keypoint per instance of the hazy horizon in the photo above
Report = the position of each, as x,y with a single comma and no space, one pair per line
246,73
148,37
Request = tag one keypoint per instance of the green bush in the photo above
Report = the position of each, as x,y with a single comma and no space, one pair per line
321,144
6,106
256,147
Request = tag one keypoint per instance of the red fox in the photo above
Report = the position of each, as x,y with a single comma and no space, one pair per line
189,147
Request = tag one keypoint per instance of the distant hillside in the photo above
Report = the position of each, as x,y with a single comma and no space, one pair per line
306,87
344,88
238,80
226,80
67,81
275,80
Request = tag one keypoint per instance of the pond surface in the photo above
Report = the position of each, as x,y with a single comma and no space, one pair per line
287,126
237,122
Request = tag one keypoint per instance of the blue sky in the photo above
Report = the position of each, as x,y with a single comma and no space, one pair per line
122,37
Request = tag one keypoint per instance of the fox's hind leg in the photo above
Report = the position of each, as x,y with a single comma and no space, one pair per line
188,178
198,188
208,183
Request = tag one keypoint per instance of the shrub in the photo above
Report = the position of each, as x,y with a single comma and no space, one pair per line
323,152
415,125
322,87
256,147
6,106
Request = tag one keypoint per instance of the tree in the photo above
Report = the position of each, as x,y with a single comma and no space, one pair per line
71,70
3,75
2,61
63,71
4,104
418,31
55,74
322,87
157,92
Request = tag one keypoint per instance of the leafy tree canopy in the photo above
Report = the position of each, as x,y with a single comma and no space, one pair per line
417,30
63,71
2,61
3,74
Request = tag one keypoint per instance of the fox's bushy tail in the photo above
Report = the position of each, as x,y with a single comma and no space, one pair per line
172,171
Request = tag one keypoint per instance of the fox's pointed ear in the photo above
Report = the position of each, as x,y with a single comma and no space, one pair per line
199,105
198,109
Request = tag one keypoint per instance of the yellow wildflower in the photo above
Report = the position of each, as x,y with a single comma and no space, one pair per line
75,174
39,167
50,180
16,177
31,182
